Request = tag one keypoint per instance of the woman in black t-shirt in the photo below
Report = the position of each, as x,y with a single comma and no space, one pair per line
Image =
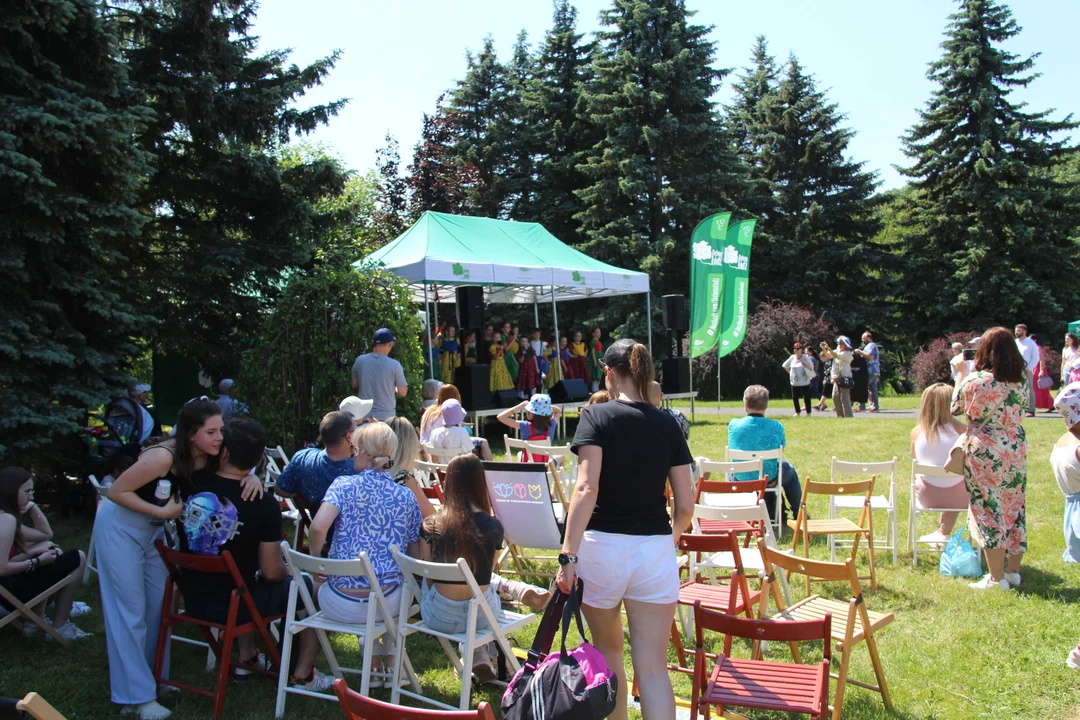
465,528
619,537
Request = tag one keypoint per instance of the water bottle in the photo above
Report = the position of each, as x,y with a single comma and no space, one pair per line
162,492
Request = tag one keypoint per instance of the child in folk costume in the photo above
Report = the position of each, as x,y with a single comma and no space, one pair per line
529,375
500,375
449,357
469,352
564,358
596,351
554,366
543,417
510,349
578,366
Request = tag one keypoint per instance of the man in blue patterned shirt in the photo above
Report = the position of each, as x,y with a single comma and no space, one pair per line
311,471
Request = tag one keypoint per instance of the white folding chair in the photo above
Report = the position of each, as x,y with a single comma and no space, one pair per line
514,448
751,556
366,634
273,469
725,472
564,458
851,471
499,624
91,551
521,500
427,473
440,455
914,508
777,489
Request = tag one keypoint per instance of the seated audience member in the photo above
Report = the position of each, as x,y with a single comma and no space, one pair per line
465,528
932,440
600,396
348,502
216,519
404,461
310,471
451,436
359,409
541,420
432,417
429,392
756,432
30,562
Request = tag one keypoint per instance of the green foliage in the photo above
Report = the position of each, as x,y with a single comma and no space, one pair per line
299,370
68,175
439,179
989,225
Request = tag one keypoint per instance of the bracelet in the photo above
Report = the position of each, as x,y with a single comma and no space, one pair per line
33,565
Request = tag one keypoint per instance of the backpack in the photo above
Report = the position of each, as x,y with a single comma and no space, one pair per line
533,436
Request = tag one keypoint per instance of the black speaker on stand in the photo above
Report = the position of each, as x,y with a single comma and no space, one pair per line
675,369
573,390
470,307
676,375
473,381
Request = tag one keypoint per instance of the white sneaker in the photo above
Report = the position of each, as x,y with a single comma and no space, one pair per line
317,683
1073,660
69,631
147,711
78,609
1013,579
935,537
989,583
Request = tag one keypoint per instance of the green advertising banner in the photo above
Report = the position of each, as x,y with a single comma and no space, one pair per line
707,282
736,285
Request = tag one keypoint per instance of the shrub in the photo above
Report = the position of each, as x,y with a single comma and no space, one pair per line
931,363
300,367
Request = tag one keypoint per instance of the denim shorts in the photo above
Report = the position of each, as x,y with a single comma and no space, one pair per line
452,616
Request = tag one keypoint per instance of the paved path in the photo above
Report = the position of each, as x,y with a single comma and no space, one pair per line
706,408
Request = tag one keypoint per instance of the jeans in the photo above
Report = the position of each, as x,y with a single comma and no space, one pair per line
801,391
792,489
452,616
873,381
841,398
1031,390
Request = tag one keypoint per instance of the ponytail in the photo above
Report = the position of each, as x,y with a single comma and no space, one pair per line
641,370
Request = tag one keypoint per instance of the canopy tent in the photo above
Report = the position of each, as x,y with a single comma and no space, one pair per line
516,262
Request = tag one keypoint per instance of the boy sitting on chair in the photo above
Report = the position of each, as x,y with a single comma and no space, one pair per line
216,519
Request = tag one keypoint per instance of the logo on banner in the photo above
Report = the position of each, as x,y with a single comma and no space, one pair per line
504,490
534,492
459,270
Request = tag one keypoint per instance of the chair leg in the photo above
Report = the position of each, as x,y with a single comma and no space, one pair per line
395,690
841,682
873,573
223,673
365,668
879,671
283,673
680,652
806,554
91,553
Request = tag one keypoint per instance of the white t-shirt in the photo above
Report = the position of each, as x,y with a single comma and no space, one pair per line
454,438
958,360
1030,351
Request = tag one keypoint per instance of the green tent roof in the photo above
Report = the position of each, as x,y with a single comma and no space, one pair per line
521,262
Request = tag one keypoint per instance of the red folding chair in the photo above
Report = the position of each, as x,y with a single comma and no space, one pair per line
726,487
359,707
756,683
175,561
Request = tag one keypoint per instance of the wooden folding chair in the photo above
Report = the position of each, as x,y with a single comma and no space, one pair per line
366,634
175,561
718,478
38,708
499,624
359,707
915,509
91,551
758,683
852,621
756,520
25,611
806,529
848,471
774,487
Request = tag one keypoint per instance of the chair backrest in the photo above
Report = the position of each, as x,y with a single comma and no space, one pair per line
428,473
514,448
273,470
695,544
858,487
756,488
360,707
537,450
848,469
777,454
730,467
299,562
918,468
442,455
820,569
757,515
521,500
733,626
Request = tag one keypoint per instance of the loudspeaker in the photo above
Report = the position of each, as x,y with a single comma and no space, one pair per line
569,391
676,378
474,383
470,307
506,398
676,316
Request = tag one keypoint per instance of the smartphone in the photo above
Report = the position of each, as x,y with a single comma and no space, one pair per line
969,354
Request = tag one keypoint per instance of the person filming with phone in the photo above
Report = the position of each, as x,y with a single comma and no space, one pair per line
842,380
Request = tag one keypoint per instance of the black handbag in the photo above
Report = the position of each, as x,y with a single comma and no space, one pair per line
845,382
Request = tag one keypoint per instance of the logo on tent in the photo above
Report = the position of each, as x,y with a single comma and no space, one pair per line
577,277
460,271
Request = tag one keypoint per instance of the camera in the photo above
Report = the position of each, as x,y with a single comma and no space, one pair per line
969,354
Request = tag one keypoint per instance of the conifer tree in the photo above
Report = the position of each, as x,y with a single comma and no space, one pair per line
68,175
517,129
988,224
392,196
439,180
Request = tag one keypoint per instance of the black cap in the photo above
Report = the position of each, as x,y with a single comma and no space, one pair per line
618,353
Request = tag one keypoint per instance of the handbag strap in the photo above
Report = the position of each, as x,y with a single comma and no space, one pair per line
572,608
549,625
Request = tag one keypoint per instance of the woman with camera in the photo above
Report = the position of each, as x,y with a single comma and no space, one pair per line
842,380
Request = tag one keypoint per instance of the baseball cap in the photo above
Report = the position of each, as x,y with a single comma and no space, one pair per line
798,346
452,412
226,385
140,389
383,336
359,409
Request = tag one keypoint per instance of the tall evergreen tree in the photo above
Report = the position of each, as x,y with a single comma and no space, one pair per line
392,197
228,219
988,225
665,162
517,129
562,132
816,238
68,175
757,82
439,180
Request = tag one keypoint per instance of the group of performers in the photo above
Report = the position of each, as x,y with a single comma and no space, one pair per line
527,365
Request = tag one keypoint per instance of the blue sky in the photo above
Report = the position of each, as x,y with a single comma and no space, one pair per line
870,56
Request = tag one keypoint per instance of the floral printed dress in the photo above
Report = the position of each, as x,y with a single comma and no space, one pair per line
995,472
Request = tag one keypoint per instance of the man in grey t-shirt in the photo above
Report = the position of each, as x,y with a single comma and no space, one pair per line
380,377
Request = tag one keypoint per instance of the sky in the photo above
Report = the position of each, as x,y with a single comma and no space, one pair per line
869,56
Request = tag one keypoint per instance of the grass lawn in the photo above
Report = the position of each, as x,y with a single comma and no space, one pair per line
952,653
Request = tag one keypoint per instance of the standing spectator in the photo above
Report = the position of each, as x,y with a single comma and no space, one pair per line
311,471
932,440
755,432
994,398
800,372
1029,351
959,365
1043,399
1065,460
378,376
840,374
872,356
148,424
229,406
1070,360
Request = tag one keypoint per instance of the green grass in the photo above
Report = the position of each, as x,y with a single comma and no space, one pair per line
951,653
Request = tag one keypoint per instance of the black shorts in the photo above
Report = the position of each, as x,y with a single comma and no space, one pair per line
271,598
26,586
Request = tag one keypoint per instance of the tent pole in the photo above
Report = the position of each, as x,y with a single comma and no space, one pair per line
648,316
427,308
555,315
536,311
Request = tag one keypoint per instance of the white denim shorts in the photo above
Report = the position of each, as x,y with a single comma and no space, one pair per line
619,567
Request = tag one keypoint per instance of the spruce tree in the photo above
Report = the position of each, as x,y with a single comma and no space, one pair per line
229,221
439,180
68,175
392,196
517,130
665,161
988,226
562,131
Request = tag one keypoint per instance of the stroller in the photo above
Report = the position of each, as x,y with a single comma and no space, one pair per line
122,431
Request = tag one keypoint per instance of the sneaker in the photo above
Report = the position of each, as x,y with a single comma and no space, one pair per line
69,631
316,682
528,595
1013,579
989,583
936,537
871,409
256,663
78,609
483,673
167,692
858,409
1073,660
147,711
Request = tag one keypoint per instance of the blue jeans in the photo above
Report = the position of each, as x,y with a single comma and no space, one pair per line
872,388
792,489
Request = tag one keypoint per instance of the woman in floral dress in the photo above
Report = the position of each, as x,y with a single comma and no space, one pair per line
995,399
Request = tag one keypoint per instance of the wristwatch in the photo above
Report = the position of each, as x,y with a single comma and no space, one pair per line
567,559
